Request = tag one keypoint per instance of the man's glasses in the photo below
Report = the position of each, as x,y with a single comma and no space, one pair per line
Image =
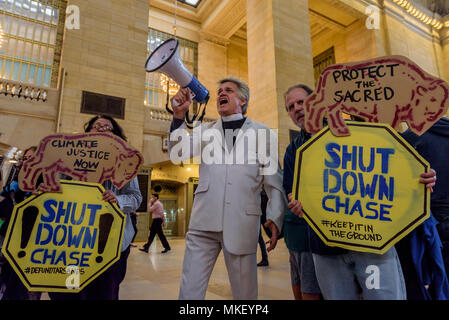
102,128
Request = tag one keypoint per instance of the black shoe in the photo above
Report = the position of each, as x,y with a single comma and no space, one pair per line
144,250
263,263
165,251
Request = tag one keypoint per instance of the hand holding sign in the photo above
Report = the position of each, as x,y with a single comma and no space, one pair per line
109,196
429,179
295,206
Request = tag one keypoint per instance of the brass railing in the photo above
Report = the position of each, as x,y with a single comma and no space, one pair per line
23,91
163,115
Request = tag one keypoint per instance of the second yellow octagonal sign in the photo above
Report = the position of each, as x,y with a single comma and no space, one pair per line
361,192
60,242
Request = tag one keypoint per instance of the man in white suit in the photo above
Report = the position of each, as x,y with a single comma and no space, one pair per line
227,206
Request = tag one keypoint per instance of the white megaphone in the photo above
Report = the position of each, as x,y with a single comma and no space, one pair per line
165,59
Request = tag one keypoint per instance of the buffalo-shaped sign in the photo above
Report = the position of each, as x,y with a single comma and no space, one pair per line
388,90
89,157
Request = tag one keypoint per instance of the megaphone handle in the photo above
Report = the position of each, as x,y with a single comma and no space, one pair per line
166,104
175,102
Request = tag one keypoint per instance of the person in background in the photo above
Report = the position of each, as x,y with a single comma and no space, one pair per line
12,188
6,206
10,196
156,209
424,253
302,269
341,273
128,198
134,222
263,248
107,285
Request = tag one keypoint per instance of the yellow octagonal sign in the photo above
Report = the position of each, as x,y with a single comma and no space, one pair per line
60,242
361,192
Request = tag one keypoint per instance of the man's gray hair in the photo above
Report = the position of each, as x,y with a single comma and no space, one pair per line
243,90
297,86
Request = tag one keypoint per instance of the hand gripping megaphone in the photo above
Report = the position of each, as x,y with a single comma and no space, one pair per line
165,59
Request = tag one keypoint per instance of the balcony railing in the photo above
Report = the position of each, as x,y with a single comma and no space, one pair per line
163,115
23,91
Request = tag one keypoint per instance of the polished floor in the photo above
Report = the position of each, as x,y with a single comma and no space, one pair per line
156,276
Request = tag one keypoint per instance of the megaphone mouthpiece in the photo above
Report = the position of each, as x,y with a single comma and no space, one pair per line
165,59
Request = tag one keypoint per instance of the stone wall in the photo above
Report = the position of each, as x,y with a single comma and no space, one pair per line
419,43
107,55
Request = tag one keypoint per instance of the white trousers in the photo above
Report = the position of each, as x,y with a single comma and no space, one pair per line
202,250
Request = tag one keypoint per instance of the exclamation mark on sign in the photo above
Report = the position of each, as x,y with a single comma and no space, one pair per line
28,220
106,220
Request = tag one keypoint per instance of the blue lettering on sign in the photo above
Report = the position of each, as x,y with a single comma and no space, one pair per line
84,259
61,226
93,211
347,156
352,180
368,189
362,166
74,239
55,257
80,219
61,212
89,239
347,191
62,234
335,163
371,210
356,157
50,210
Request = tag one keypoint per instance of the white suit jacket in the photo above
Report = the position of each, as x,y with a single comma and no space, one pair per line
227,198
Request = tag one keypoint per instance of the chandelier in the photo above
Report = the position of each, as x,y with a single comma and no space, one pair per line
168,84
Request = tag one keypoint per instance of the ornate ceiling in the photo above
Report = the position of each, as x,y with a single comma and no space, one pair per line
438,6
223,19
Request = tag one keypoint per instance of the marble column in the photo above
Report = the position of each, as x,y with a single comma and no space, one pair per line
212,66
279,56
444,34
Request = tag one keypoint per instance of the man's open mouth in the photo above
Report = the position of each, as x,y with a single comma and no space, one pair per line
223,101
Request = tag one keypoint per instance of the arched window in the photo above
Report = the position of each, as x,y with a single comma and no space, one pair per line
31,43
